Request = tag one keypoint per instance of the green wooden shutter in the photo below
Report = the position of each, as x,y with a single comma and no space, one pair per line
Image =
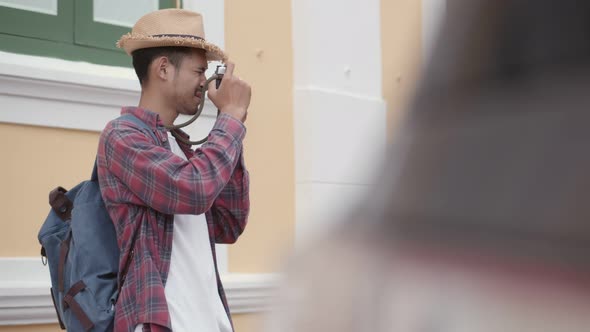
97,34
72,34
25,23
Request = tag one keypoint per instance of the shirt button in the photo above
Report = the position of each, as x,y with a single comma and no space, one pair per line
163,137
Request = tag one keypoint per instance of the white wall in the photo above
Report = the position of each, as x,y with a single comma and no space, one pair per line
213,12
339,110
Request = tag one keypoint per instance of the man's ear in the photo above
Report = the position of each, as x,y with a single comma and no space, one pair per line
162,68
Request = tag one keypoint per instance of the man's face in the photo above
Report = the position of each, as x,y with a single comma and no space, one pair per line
189,77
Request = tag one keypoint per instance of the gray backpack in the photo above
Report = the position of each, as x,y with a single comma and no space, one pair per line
79,243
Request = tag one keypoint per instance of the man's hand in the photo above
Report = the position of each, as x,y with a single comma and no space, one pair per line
233,95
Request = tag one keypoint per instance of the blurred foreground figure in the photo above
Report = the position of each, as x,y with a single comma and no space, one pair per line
480,221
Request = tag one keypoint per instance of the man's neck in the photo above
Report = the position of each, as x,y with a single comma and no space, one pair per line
156,104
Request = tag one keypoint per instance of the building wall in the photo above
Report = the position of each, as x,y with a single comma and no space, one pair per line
261,46
31,328
38,157
36,160
321,94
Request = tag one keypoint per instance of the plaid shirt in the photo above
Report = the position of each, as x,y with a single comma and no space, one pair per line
144,184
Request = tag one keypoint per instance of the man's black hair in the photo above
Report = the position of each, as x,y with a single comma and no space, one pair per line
142,58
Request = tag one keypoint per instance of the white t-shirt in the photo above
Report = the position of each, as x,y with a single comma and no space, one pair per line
191,289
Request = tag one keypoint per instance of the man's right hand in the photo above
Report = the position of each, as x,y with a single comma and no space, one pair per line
233,95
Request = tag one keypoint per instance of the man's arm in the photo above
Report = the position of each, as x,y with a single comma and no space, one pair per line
165,182
231,208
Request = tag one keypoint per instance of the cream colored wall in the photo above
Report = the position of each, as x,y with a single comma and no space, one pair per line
34,161
247,323
260,44
31,328
401,45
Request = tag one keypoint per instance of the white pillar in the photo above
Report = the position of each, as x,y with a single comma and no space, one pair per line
340,120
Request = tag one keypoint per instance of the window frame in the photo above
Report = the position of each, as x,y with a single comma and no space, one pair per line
88,32
70,35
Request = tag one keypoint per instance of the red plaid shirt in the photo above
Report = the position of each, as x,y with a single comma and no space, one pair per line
144,184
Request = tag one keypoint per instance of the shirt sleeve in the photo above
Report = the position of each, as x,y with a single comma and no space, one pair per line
231,208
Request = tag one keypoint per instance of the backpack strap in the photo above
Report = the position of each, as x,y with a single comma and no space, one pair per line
60,203
77,310
123,274
60,321
138,122
64,249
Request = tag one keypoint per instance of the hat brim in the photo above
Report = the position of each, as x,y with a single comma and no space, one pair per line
132,42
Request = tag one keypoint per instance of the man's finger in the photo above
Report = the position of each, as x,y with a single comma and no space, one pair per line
229,71
212,88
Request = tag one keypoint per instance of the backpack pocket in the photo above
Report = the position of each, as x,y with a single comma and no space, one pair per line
81,312
51,243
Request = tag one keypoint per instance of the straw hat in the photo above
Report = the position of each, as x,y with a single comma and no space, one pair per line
170,27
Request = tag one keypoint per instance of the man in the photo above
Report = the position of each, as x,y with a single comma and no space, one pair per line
170,204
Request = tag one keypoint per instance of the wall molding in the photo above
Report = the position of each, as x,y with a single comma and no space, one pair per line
25,299
57,93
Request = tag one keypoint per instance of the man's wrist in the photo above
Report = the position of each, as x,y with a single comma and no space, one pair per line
235,112
231,125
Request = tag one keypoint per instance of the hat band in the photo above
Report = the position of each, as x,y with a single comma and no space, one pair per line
182,36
